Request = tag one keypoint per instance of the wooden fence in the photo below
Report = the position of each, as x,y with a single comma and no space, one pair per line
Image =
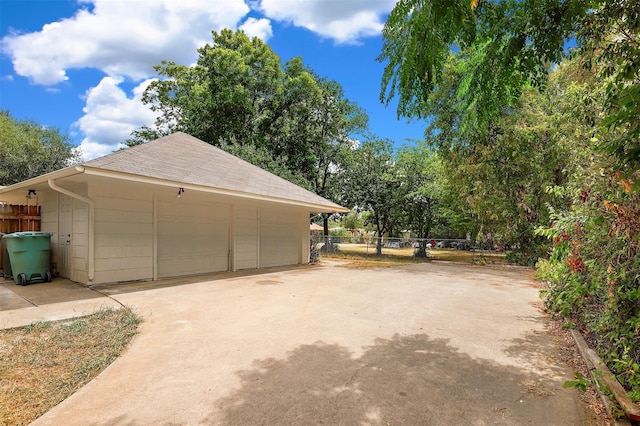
19,218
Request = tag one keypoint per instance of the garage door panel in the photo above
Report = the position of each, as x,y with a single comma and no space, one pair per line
191,265
278,244
193,238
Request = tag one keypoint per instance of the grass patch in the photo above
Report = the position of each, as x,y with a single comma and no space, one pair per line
465,256
361,256
363,261
45,362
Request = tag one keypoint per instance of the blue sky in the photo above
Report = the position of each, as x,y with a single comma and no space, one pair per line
81,65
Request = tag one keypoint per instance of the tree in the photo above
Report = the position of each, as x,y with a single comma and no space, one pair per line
329,137
592,272
502,46
238,94
610,37
420,170
501,171
228,95
371,184
506,43
28,149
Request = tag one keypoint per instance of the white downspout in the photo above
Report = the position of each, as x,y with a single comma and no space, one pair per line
90,240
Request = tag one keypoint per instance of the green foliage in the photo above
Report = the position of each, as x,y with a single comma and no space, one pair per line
28,149
417,39
353,220
594,277
593,272
395,191
428,203
610,35
238,95
420,189
501,174
581,383
501,47
371,184
528,254
340,233
503,44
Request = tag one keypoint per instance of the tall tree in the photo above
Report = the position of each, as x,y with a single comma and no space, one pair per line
336,121
501,46
501,172
238,94
421,188
592,272
228,95
371,184
28,149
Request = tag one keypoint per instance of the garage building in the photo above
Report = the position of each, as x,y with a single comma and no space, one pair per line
171,207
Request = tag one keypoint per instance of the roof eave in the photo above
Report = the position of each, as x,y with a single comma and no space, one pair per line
58,174
313,207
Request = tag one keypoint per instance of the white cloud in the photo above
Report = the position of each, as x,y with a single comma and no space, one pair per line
260,28
110,116
122,38
125,39
345,21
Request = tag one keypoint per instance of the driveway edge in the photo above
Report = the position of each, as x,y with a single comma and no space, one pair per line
603,378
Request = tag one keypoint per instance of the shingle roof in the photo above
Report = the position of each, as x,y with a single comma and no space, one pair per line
184,159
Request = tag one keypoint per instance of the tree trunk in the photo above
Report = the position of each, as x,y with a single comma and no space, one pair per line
325,224
422,245
421,251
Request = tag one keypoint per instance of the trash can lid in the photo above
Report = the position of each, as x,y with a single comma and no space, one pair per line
28,234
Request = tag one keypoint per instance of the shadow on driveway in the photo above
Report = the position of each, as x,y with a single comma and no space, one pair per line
405,380
428,344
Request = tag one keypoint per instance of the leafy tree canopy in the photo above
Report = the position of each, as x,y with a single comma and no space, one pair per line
506,42
502,46
239,94
421,188
371,184
28,149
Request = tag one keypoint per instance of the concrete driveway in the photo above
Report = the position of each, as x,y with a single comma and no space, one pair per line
429,344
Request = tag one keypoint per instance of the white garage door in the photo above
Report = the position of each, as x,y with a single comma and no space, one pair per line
279,240
193,238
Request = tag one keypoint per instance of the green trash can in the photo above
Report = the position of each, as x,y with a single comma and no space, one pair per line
30,256
6,265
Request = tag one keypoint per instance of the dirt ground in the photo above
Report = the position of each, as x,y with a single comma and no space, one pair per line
424,344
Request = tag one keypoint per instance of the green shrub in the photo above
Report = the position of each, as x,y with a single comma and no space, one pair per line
593,275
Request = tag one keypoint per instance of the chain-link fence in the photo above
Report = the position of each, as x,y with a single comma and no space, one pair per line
367,244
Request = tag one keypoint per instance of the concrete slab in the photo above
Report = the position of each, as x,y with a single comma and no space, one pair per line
58,300
428,344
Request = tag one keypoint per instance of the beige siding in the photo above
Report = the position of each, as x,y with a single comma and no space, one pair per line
279,237
246,238
49,213
123,234
305,236
193,237
143,232
49,221
79,242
